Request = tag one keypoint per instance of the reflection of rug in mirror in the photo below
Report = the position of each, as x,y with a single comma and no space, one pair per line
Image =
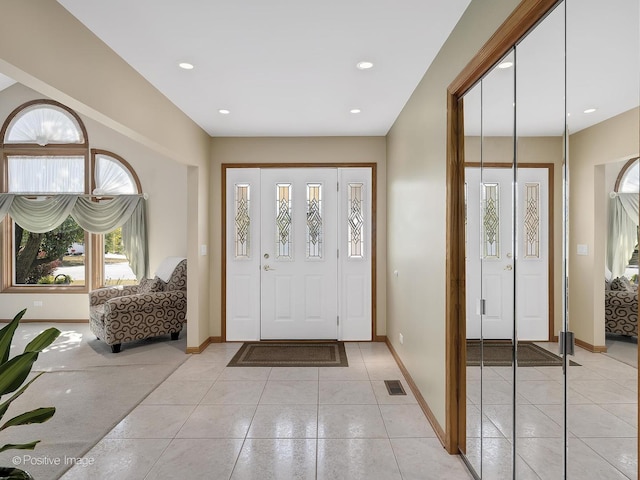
496,353
290,354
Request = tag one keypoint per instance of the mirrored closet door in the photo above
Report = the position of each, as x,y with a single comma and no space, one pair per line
550,147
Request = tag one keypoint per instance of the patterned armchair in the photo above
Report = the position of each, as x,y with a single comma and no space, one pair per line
134,312
621,307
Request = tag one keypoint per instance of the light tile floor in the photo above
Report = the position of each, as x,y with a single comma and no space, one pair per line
207,421
602,419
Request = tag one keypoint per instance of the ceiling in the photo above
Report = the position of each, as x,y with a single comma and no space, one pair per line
281,67
288,68
602,72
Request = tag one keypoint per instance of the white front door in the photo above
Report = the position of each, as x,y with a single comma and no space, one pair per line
495,269
299,251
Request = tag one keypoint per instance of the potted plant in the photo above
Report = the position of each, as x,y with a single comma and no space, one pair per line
13,373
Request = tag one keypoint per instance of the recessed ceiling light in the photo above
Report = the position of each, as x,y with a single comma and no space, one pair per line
506,64
590,110
364,65
186,66
224,111
355,110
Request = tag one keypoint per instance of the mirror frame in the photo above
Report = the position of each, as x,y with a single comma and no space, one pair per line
526,15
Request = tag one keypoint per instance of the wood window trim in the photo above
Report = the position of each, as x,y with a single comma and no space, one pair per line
96,151
30,149
7,286
526,15
97,239
623,172
43,101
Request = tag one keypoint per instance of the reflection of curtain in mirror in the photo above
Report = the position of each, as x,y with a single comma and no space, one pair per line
623,231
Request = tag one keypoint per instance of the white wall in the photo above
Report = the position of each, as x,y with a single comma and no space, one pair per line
163,179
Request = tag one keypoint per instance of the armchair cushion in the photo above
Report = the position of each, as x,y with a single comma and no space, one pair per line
151,285
621,284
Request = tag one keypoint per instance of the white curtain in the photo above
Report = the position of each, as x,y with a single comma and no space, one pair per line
112,177
46,174
623,231
128,211
44,125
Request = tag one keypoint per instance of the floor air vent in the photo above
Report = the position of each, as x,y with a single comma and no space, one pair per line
394,387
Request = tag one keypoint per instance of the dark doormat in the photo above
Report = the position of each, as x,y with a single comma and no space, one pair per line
290,354
497,353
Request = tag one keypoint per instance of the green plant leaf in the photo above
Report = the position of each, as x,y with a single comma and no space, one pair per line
19,446
6,336
14,372
43,340
4,406
39,415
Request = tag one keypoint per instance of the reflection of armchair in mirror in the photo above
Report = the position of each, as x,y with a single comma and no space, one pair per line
621,307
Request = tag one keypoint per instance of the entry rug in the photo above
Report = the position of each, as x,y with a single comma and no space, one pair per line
290,354
499,354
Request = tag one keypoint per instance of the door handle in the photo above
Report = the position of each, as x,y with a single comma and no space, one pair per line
267,268
508,267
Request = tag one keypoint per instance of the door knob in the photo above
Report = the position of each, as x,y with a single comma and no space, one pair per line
267,268
508,267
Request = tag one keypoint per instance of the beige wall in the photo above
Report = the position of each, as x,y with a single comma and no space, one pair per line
532,150
283,150
416,212
614,140
45,48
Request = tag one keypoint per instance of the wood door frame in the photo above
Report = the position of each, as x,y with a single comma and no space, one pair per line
374,210
550,269
526,15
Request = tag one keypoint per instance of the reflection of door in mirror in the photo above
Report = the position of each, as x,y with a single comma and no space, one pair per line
490,276
589,125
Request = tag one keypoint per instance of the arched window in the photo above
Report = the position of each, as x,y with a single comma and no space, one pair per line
112,175
628,181
45,153
44,123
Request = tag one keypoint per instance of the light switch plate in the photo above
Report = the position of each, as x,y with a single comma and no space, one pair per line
583,250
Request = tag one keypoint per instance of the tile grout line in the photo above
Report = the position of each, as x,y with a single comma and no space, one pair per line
244,440
318,420
599,455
